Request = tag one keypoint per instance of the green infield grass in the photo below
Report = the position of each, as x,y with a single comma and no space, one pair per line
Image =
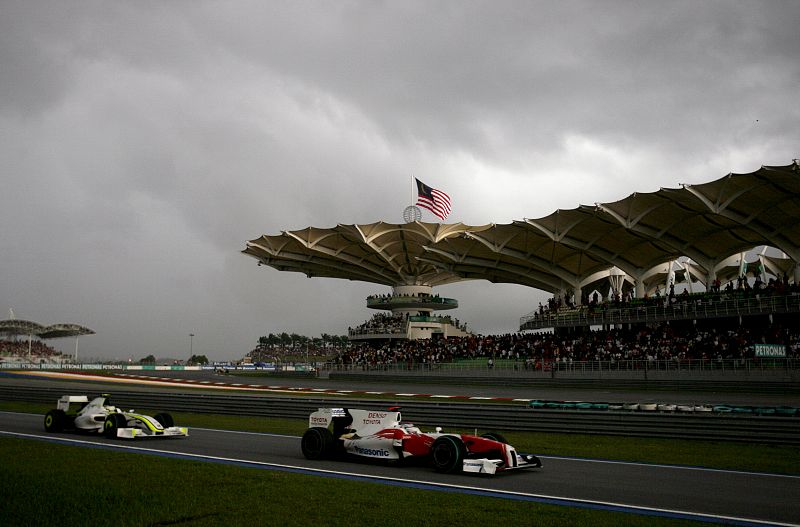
48,484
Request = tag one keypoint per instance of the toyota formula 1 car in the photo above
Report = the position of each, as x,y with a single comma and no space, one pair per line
98,415
380,435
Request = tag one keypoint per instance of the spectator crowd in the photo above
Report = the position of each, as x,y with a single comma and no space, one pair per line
740,288
19,349
661,343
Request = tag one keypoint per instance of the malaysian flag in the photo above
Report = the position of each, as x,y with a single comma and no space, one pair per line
434,200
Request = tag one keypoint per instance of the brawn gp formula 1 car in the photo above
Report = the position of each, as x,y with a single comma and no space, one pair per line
100,416
338,432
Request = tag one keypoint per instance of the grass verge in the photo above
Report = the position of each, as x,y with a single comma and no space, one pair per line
46,484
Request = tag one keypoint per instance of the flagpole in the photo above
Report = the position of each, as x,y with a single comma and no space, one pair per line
412,190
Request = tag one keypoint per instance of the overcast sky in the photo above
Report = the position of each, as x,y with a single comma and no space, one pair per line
143,143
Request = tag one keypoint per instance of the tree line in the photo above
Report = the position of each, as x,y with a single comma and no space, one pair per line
194,360
285,340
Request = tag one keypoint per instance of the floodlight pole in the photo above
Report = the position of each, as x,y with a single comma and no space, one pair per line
191,342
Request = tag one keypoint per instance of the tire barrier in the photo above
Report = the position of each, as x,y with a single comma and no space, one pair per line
785,411
735,385
713,426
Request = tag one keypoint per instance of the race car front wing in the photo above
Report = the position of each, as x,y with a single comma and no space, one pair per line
492,466
133,433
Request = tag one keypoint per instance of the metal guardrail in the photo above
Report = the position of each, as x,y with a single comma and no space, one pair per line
386,302
723,385
717,306
464,416
744,370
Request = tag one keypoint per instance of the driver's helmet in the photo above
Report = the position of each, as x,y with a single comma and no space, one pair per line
410,428
107,404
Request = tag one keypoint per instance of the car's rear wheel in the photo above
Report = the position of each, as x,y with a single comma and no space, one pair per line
54,421
165,419
401,460
113,423
494,436
317,443
447,454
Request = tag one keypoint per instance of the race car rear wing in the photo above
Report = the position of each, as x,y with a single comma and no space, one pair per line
363,422
65,400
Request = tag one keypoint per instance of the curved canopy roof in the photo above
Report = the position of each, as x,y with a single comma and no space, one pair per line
566,249
382,253
26,327
16,326
57,331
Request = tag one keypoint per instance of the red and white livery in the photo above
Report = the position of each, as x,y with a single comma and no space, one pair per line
381,435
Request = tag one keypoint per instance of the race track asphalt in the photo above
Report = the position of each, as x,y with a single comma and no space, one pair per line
500,389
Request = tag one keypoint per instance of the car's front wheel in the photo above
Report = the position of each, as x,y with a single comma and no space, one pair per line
448,453
113,423
165,419
54,421
317,443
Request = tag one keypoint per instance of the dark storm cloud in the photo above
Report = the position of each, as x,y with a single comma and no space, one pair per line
533,70
145,142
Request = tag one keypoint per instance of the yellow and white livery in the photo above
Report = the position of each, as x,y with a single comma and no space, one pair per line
98,415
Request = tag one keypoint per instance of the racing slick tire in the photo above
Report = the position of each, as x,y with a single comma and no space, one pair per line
447,454
113,423
533,460
317,443
54,421
165,419
494,436
401,460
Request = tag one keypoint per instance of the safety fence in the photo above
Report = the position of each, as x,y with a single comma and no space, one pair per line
550,368
695,308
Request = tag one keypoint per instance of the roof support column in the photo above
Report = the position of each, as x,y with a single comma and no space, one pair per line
578,296
616,279
412,290
638,287
562,295
711,279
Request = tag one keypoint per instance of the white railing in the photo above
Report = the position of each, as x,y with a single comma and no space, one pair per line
692,308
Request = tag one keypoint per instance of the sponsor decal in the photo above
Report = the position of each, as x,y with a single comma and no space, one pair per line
770,350
374,452
319,420
374,418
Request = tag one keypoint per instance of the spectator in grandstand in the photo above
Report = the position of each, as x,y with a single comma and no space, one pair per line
661,343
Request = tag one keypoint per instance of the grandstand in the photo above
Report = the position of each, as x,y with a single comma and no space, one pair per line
661,347
19,347
706,258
